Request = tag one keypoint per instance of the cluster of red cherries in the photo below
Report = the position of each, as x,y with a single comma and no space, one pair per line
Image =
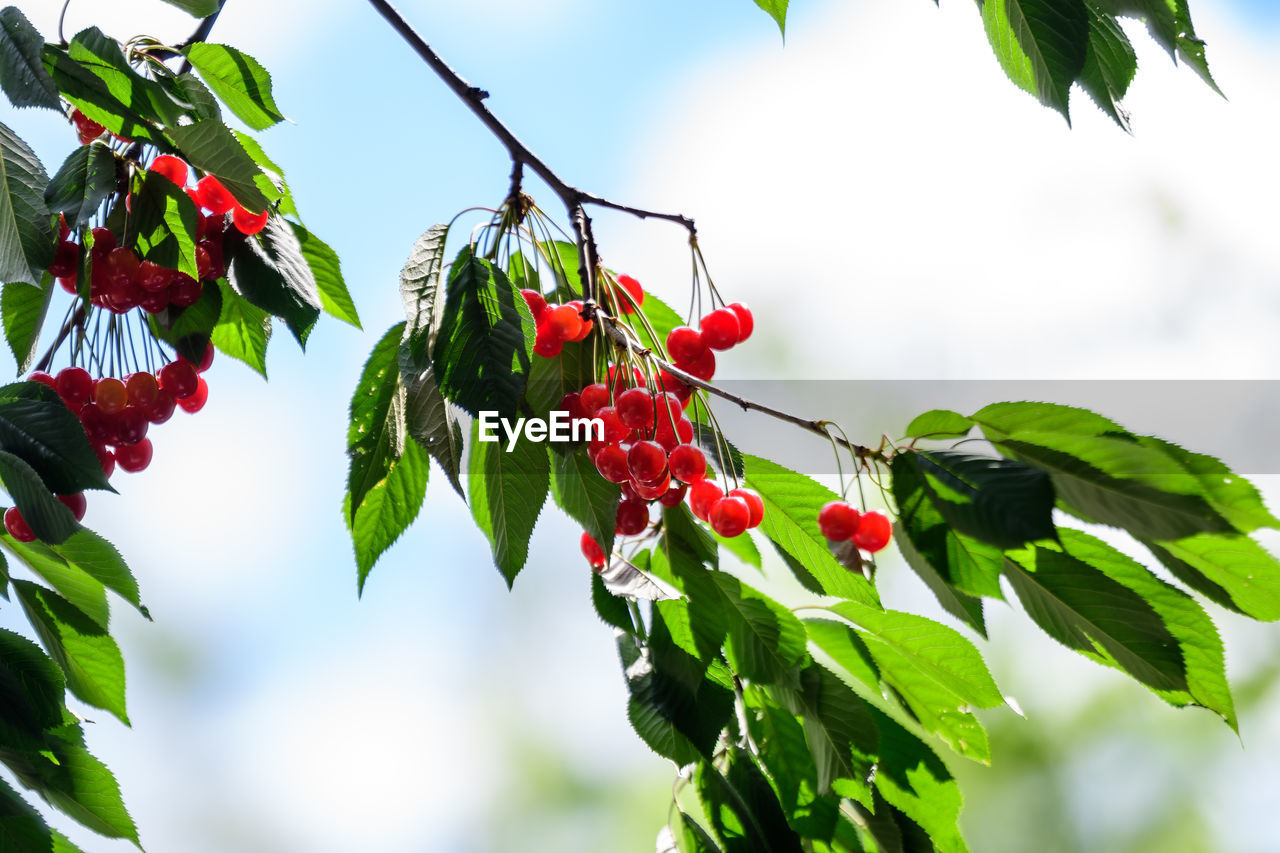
561,324
120,281
116,415
694,350
868,531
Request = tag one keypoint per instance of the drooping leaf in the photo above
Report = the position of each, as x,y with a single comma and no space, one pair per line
85,593
82,183
507,491
89,657
375,435
432,422
766,640
483,352
31,690
191,91
633,579
997,501
585,496
243,329
690,837
1040,44
102,58
239,80
792,502
48,517
36,426
326,269
551,378
90,94
784,754
1232,570
611,609
913,779
839,729
23,76
23,309
742,547
777,10
388,508
743,808
939,423
22,829
163,224
270,178
420,290
270,271
210,146
1109,65
26,235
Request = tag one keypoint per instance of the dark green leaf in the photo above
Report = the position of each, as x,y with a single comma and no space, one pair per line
211,147
611,609
31,690
36,426
271,177
507,491
243,328
375,436
766,640
420,290
690,837
777,10
26,235
585,496
939,423
88,656
791,505
270,271
331,288
189,330
1041,44
483,353
998,501
102,57
840,731
22,829
86,179
1232,570
191,91
163,224
389,507
23,309
91,95
1231,495
1109,65
720,452
743,807
432,422
551,378
239,80
779,735
48,517
22,73
911,778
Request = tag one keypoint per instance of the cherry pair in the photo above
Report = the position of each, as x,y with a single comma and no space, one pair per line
693,350
869,531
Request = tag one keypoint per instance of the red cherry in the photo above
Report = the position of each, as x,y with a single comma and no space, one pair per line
671,385
134,457
729,516
611,462
171,167
209,264
179,378
122,261
755,504
546,343
746,323
614,428
185,291
704,368
248,223
537,305
123,294
154,303
874,531
210,227
674,496
213,196
688,463
838,520
105,458
69,283
88,129
154,278
104,240
162,409
653,491
720,329
66,259
592,551
669,439
618,378
206,360
97,425
563,322
142,389
632,519
594,398
587,325
44,379
702,495
64,230
572,403
635,408
17,525
647,461
75,386
195,402
131,425
110,395
77,503
631,286
685,345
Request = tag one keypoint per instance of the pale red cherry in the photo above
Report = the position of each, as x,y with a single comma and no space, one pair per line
594,398
171,167
537,305
685,345
611,462
248,223
647,461
635,408
213,196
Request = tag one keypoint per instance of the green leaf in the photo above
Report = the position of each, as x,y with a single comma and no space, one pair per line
742,547
326,270
1109,65
203,104
507,491
939,423
102,58
31,690
1233,571
163,224
585,496
26,233
743,808
780,737
22,73
86,593
431,421
913,779
663,319
483,353
720,452
551,378
691,837
270,271
840,731
1041,45
88,656
243,329
375,435
239,80
189,330
271,178
420,290
87,552
1231,495
211,147
87,177
196,8
93,96
777,10
22,829
389,507
1169,22
791,505
36,426
611,609
766,640
48,517
998,501
23,309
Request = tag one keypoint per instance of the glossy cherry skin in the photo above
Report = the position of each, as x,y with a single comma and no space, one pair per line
142,389
75,386
632,519
688,463
614,428
171,167
704,368
248,223
674,496
179,378
537,305
45,379
134,457
671,385
162,409
746,322
592,551
104,240
838,520
195,402
185,291
685,345
720,329
564,322
154,278
632,287
874,531
206,360
98,426
702,495
653,491
547,343
66,259
755,504
729,516
635,408
647,461
131,426
213,196
110,395
77,503
17,525
594,398
106,459
611,462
